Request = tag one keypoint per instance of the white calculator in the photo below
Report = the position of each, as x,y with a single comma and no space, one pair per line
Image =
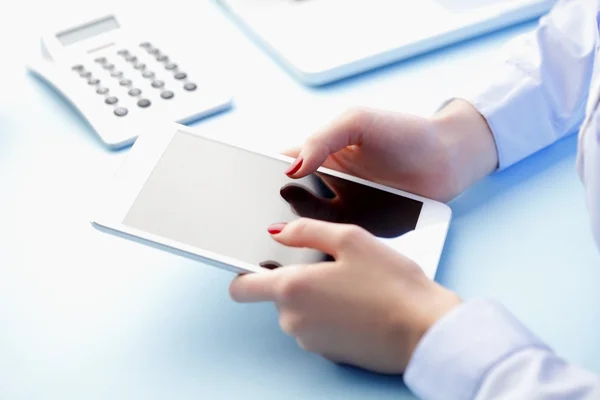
123,82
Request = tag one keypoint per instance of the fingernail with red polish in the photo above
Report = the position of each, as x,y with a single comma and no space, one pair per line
276,228
295,166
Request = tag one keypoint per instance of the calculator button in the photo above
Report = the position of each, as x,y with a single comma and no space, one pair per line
100,60
120,111
123,52
143,103
154,51
109,67
148,74
85,74
158,84
116,74
162,58
77,67
131,58
190,86
135,92
93,81
111,100
145,45
180,75
170,66
125,82
167,94
102,90
140,66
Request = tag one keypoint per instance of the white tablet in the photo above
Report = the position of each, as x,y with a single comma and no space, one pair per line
211,201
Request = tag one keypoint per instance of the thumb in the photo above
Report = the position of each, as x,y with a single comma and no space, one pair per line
349,129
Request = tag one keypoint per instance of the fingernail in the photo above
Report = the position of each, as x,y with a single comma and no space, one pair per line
294,167
276,228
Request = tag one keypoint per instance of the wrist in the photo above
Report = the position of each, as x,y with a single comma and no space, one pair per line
441,302
432,303
468,140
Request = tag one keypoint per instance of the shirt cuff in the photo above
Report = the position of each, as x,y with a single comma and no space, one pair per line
454,356
516,111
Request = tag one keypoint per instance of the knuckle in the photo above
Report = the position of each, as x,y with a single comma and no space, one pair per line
298,227
357,117
314,142
318,145
350,236
291,323
291,289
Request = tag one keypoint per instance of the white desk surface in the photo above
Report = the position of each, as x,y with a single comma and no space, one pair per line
87,316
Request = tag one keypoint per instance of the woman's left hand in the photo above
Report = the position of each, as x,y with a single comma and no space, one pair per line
368,308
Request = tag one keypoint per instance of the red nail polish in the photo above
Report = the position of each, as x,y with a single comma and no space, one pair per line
276,228
295,166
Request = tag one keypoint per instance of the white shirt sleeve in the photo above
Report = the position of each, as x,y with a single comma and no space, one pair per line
536,96
538,93
480,351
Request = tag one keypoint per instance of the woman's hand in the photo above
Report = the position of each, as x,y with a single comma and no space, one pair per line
435,157
368,308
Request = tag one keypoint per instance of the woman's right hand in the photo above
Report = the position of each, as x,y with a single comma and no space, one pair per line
436,157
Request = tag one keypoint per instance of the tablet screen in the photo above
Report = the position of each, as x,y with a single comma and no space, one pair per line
222,199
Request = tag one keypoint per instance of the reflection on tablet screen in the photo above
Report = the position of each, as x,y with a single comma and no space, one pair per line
222,199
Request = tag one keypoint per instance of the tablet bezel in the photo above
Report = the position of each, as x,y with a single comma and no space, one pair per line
119,194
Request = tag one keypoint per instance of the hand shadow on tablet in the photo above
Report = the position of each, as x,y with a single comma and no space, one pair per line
383,214
332,199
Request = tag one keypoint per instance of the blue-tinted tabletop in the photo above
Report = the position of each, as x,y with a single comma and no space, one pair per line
87,315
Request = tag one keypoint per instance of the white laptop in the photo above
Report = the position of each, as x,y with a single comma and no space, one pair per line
320,41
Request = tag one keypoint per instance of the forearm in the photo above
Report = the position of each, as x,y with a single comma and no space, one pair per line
533,97
481,351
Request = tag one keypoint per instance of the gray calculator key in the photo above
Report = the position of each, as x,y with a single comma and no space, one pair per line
109,67
121,111
146,45
154,51
180,75
131,58
111,100
190,86
170,66
148,74
167,94
116,74
139,66
102,90
100,60
77,67
162,58
158,84
93,81
143,103
125,82
85,74
135,92
123,52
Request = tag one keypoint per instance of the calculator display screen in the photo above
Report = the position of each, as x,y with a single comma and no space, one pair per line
222,199
87,31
